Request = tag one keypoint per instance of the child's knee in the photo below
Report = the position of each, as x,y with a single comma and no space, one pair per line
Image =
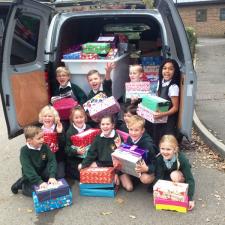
128,187
147,178
177,176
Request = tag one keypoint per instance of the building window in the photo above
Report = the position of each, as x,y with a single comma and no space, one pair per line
222,14
201,15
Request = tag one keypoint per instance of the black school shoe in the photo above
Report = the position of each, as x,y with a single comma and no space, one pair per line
17,186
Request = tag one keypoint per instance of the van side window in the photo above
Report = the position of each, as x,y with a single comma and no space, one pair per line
25,40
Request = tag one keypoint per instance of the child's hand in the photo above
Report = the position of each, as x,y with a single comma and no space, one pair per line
191,205
59,127
81,151
158,115
117,141
52,181
117,179
79,167
116,164
43,185
108,69
141,167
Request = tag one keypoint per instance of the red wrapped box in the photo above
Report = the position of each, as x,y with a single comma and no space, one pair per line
64,106
85,138
89,56
51,139
97,175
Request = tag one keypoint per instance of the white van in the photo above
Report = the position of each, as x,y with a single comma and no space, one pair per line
36,38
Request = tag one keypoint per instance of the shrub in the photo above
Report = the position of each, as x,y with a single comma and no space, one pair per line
192,38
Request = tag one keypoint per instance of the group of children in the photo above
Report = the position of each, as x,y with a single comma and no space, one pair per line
40,166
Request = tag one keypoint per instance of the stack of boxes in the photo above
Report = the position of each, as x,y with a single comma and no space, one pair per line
170,196
151,66
150,105
97,182
52,197
126,157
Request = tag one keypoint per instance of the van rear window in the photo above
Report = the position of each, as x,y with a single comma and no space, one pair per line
25,40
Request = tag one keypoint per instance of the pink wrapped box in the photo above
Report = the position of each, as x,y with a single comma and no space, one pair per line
96,99
149,115
137,89
169,190
108,106
168,204
64,106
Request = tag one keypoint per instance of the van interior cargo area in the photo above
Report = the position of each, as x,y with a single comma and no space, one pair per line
143,39
77,31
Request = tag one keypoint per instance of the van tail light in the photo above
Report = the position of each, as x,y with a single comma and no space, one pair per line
47,86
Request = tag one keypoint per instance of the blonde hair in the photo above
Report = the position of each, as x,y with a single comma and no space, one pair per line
171,139
77,108
62,69
31,131
91,72
137,67
136,121
48,109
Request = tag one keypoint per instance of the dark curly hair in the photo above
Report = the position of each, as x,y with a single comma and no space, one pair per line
176,76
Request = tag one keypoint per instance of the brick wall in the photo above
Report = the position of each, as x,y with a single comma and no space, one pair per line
213,26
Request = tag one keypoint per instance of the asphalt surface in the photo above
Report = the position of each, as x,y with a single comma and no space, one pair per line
210,99
127,208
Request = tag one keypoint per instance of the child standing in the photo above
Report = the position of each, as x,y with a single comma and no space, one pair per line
37,161
49,117
78,125
66,88
135,73
168,88
138,136
173,165
99,154
98,85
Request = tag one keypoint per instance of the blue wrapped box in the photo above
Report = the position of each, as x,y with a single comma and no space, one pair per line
72,55
98,190
52,191
51,204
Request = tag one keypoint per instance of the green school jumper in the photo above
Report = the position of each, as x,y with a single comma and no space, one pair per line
100,152
162,172
35,162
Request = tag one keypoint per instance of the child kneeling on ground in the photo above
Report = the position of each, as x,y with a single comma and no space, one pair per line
38,163
173,165
138,136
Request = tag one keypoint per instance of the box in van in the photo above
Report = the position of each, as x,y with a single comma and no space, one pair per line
36,39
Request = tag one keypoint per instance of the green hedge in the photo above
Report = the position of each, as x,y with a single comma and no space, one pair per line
192,38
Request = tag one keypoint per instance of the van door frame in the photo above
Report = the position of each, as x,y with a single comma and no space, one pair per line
173,20
21,75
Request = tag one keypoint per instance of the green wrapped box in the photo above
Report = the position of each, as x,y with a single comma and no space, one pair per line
155,103
94,47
